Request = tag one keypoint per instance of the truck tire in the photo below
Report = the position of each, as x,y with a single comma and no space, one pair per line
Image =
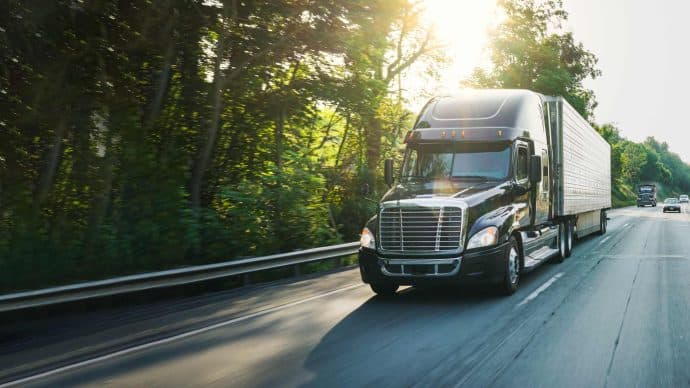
511,280
384,289
568,227
571,236
562,242
602,223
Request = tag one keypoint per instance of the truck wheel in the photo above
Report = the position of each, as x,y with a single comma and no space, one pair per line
384,289
602,223
511,280
563,252
568,226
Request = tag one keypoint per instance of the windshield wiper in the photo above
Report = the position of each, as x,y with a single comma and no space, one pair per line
474,177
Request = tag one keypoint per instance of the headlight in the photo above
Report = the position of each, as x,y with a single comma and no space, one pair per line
484,238
367,239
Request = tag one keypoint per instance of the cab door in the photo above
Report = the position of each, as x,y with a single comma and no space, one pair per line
521,176
542,192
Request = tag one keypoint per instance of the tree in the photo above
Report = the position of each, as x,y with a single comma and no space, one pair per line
612,135
633,160
146,135
527,51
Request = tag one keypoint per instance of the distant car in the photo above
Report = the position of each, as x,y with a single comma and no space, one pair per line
683,199
671,205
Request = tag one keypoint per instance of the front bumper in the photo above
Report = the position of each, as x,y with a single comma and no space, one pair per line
671,208
482,266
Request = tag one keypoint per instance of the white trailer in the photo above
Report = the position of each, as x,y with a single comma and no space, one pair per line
582,173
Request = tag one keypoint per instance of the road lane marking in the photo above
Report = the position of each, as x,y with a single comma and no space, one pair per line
650,256
541,289
605,239
174,338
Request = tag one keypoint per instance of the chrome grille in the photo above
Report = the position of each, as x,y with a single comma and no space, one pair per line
416,228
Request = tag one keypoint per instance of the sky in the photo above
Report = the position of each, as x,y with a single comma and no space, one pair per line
642,48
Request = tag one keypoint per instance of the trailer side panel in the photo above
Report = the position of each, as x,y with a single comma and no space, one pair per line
582,156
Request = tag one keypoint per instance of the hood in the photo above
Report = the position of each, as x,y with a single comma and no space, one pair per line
471,191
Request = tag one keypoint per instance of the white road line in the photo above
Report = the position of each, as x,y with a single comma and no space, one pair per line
605,239
163,341
642,256
625,225
541,289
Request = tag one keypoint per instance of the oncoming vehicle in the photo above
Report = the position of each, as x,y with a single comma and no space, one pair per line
671,205
646,195
493,183
683,198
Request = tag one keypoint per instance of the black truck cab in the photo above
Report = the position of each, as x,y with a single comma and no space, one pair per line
473,199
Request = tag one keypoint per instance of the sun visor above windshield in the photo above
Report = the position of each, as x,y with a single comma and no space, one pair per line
468,106
481,109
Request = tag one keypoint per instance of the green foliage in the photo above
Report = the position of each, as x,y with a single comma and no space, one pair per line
647,162
528,51
633,160
147,135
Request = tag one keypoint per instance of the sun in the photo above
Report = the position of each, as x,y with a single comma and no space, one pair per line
462,25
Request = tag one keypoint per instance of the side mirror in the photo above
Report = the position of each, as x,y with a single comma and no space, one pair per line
388,172
365,189
535,169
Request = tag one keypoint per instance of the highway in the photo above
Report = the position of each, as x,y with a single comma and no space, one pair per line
615,314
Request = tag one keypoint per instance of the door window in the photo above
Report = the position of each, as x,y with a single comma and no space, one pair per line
545,171
522,164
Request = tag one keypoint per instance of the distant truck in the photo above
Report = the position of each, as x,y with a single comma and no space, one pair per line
493,183
646,195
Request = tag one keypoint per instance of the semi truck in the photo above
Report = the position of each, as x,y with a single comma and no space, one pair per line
493,183
646,195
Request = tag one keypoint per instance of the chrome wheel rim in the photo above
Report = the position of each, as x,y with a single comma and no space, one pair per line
513,265
561,240
569,236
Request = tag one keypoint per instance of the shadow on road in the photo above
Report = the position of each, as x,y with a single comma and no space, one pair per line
398,341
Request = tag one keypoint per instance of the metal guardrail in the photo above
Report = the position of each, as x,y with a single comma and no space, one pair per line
169,278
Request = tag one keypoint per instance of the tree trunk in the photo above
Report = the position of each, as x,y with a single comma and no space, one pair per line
278,158
162,86
209,136
278,137
52,163
103,197
373,146
342,142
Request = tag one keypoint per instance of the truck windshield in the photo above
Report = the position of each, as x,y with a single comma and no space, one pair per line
447,161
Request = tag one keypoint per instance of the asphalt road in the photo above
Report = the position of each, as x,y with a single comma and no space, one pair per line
616,314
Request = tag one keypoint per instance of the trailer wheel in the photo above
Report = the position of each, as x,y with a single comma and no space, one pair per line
603,223
563,250
384,289
569,236
511,280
